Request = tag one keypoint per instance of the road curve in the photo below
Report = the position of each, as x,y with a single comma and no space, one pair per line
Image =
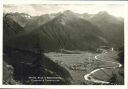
90,78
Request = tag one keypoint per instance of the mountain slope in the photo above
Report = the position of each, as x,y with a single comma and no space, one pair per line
10,27
112,27
20,18
68,31
37,21
28,64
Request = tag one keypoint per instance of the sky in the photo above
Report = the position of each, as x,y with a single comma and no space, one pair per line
39,9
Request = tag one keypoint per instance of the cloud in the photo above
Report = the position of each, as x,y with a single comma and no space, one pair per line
39,9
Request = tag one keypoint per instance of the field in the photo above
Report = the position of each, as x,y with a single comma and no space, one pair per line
81,64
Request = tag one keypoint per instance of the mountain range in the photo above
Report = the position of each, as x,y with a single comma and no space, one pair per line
27,37
111,27
64,31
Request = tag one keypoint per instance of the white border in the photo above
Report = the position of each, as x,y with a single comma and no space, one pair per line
61,2
125,3
1,41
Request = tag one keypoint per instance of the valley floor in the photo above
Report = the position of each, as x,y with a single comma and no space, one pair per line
79,65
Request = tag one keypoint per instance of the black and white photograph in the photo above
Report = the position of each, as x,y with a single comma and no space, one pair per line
63,44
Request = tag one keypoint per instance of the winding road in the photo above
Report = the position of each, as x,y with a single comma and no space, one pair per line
88,76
